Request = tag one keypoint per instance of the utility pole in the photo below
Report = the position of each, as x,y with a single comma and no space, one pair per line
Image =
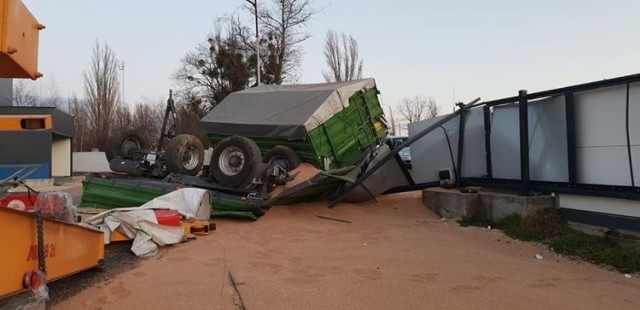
121,67
255,11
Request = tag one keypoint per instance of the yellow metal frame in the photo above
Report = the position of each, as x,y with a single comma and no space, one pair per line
14,122
69,249
19,36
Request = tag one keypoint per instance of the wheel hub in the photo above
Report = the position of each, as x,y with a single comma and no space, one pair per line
128,147
231,160
281,162
235,161
190,159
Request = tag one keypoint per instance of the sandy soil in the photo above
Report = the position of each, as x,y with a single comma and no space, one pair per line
395,254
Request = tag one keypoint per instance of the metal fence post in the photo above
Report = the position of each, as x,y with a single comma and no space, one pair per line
524,142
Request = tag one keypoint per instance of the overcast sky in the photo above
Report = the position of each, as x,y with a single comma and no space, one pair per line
487,49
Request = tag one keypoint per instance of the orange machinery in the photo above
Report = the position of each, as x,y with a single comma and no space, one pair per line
19,32
29,245
67,249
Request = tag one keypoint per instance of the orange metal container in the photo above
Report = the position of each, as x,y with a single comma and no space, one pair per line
69,249
25,122
19,33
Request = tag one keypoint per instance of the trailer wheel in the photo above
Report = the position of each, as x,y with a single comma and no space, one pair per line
282,156
235,162
124,143
184,154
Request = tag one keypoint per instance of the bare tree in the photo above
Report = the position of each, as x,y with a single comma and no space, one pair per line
281,24
213,70
392,122
148,116
342,58
101,87
50,94
25,94
83,133
41,93
123,118
417,108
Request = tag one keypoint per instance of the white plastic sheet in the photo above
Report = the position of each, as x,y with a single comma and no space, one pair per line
142,225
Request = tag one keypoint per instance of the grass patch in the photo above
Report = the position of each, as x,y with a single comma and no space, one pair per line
479,220
548,227
597,250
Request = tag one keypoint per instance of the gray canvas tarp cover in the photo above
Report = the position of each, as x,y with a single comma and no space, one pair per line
281,111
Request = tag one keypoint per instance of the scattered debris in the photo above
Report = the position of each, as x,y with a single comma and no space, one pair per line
333,219
628,276
538,256
148,230
489,227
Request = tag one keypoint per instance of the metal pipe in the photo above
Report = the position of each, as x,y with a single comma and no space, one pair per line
524,142
633,182
568,89
571,138
255,11
460,143
487,140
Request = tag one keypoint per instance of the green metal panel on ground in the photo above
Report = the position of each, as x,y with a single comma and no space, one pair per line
111,194
124,192
343,139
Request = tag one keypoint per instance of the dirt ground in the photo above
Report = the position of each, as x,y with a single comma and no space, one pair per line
395,254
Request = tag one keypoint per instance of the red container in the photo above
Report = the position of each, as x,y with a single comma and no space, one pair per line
19,201
168,217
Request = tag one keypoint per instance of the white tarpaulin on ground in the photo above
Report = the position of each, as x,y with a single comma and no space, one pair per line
193,203
140,223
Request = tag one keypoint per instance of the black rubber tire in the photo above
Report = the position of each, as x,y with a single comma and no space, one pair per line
123,142
283,156
184,154
235,162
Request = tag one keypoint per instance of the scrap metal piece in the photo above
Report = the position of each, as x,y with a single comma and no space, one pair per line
235,288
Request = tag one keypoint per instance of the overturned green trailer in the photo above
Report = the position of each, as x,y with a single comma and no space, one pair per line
330,125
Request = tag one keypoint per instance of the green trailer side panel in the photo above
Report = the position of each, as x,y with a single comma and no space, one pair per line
343,139
347,136
110,194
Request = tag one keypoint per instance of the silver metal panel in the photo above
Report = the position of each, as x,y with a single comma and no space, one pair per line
431,152
505,142
635,155
607,165
474,163
600,117
548,159
90,162
601,137
634,113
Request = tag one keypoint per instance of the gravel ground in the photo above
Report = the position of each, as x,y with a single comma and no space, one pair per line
118,258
